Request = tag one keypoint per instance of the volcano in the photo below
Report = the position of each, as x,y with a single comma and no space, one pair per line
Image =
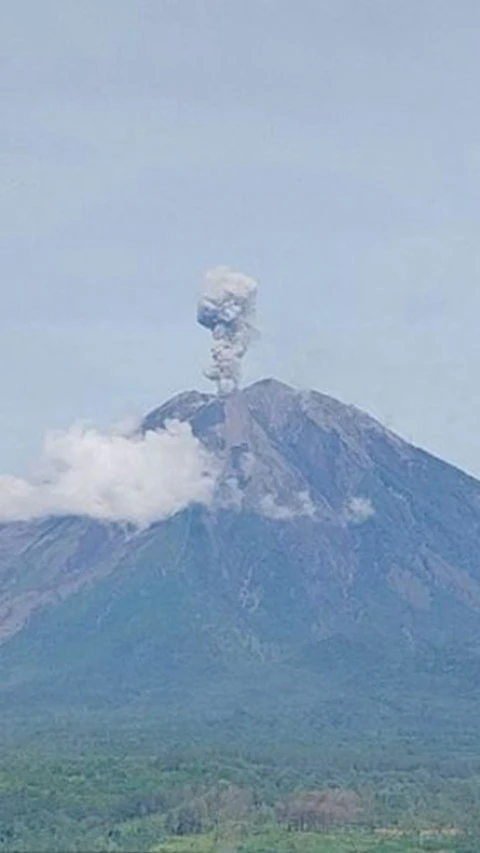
337,569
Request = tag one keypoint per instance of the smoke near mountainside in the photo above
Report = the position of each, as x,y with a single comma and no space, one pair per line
359,509
112,476
227,307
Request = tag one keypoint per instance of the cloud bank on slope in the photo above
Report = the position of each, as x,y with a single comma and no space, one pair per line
112,476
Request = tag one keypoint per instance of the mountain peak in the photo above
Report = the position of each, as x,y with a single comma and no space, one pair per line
270,439
270,385
185,405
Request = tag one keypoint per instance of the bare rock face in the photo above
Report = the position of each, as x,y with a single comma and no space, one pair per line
273,442
326,531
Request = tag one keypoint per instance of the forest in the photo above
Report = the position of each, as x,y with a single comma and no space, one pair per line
140,785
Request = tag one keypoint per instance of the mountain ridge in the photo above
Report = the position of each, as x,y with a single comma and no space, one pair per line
331,546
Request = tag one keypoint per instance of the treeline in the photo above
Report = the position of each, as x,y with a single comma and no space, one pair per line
230,805
117,793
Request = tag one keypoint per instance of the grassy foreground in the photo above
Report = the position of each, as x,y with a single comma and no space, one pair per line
380,841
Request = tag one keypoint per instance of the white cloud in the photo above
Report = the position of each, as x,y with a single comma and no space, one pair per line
359,509
113,476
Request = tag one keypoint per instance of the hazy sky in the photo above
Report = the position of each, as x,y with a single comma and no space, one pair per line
329,148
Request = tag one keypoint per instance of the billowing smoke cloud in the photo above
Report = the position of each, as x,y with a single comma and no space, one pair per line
113,476
227,308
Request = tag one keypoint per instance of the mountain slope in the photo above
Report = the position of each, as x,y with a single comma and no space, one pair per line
334,556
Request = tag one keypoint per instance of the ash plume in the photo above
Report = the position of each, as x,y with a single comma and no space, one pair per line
227,307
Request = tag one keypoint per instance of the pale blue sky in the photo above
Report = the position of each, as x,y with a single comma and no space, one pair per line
330,149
